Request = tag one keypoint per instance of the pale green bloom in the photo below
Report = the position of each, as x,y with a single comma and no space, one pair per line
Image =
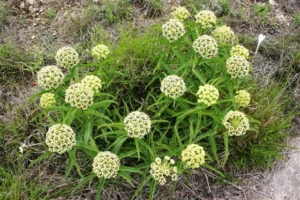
239,50
173,86
173,30
93,82
193,155
237,66
160,170
47,100
242,98
79,95
208,95
137,124
206,46
60,138
180,13
223,34
50,77
100,52
67,57
236,123
206,19
106,165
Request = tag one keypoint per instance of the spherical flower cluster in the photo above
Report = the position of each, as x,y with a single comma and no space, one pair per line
237,66
223,34
206,19
100,52
162,169
50,77
47,100
173,86
79,95
180,13
193,155
106,165
208,94
242,98
137,124
67,57
206,46
173,30
239,50
60,138
236,123
92,82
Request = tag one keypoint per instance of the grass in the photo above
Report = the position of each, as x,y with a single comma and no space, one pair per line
4,11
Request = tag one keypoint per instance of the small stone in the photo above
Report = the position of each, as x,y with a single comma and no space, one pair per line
31,2
22,5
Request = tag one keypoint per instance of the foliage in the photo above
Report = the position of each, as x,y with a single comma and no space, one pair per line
131,77
261,9
3,12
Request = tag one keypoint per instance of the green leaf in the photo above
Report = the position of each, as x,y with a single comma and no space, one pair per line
130,169
87,132
41,157
98,114
152,189
74,161
212,142
103,104
225,137
213,169
100,186
69,117
127,177
88,149
83,182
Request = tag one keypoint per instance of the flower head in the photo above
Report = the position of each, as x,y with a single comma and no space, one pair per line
237,66
193,155
206,46
239,50
92,82
137,124
236,123
206,19
67,57
173,30
47,100
208,94
223,34
242,98
100,52
60,138
173,86
162,169
79,95
106,165
50,77
180,13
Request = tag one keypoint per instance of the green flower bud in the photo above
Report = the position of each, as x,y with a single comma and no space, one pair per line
242,98
67,57
79,95
100,52
237,66
47,100
137,124
160,170
223,34
173,30
180,13
206,46
193,155
206,19
93,82
50,77
239,50
236,123
106,165
208,95
60,138
173,86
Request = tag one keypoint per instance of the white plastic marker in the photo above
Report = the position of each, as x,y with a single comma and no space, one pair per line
261,37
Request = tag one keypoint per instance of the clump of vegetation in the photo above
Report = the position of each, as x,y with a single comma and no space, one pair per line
261,10
153,8
3,12
153,108
51,13
297,19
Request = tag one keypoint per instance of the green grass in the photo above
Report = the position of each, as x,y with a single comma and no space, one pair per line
51,13
297,19
4,11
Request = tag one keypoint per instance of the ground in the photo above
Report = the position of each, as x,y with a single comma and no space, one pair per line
43,26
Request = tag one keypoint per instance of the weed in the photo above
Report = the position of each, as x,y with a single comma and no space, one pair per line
297,19
261,10
153,8
51,13
3,13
